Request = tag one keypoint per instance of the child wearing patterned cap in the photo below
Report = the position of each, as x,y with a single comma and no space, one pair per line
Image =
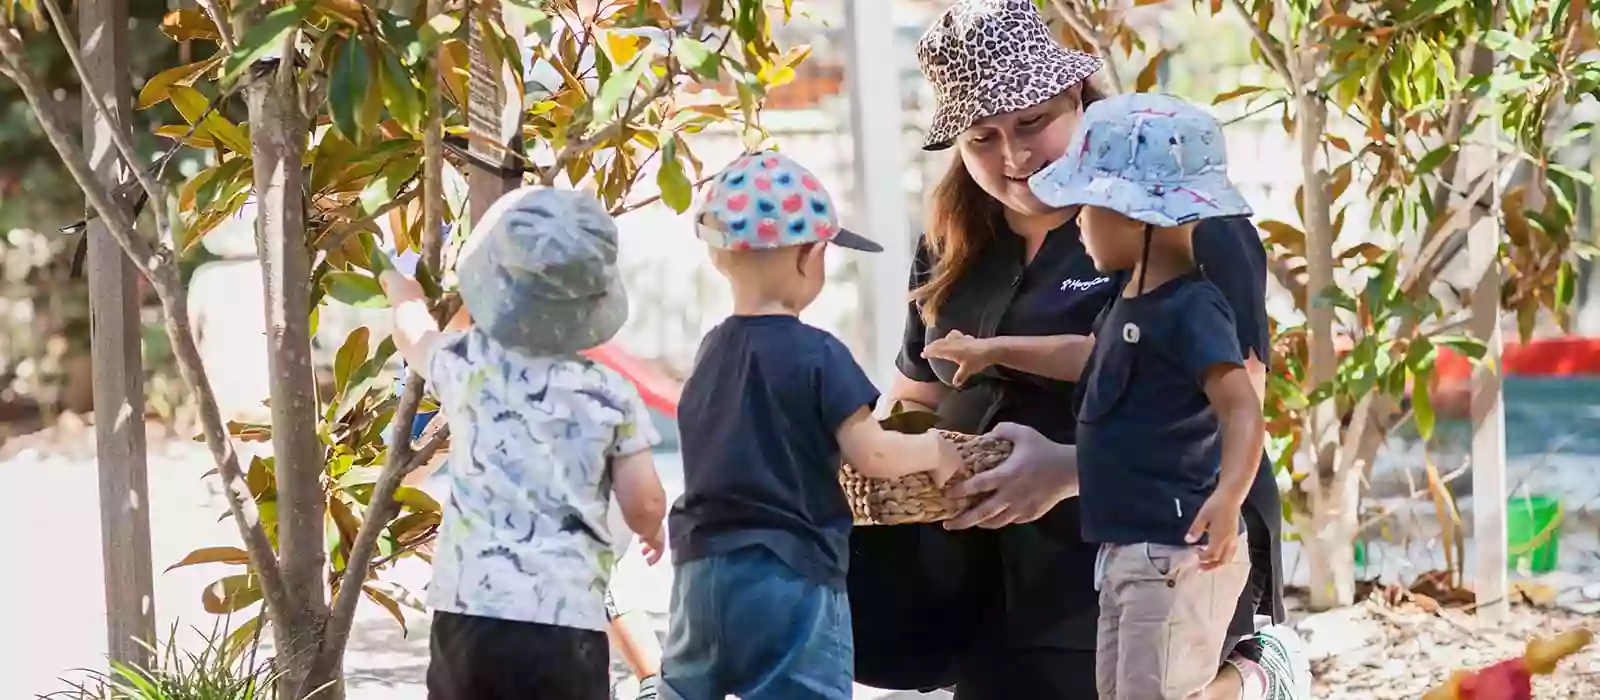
759,536
541,437
1169,427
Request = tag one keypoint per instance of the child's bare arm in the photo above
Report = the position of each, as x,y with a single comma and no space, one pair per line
639,493
1233,397
415,332
884,454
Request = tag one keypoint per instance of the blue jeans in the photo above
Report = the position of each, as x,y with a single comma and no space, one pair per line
744,623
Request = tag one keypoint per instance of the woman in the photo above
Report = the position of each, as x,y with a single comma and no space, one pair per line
1004,300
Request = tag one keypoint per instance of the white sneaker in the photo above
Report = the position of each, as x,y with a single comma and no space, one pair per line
1281,654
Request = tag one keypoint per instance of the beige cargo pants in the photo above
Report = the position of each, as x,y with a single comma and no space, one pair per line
1163,621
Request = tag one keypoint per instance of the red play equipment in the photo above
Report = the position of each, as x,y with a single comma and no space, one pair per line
1513,679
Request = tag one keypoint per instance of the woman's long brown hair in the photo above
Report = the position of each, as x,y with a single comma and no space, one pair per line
961,218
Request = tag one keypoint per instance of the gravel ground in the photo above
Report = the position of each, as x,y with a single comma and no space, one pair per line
1371,651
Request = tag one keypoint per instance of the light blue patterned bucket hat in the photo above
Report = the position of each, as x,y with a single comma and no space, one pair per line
539,273
1150,157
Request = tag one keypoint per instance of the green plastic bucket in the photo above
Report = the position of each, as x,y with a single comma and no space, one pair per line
1533,529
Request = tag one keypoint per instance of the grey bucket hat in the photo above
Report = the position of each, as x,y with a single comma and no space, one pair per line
988,57
539,274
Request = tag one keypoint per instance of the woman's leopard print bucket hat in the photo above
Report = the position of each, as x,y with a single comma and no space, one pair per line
988,57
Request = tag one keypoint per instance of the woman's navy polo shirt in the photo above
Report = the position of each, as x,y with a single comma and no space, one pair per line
919,592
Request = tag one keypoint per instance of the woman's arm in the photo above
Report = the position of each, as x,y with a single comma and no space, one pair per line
1060,357
912,395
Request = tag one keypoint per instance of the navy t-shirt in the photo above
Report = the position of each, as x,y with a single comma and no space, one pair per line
1149,443
758,419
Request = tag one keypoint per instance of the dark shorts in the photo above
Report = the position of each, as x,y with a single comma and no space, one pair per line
482,658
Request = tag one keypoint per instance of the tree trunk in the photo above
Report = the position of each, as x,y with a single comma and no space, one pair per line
278,135
1334,493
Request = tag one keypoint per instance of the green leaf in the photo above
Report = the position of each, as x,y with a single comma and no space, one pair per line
528,14
356,289
384,186
620,85
364,378
360,476
400,95
1471,347
267,35
347,88
231,594
1500,40
438,29
192,104
1566,285
401,38
350,355
676,190
157,88
1422,407
1434,159
697,57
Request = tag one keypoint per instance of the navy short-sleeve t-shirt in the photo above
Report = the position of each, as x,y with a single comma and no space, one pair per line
758,421
1149,443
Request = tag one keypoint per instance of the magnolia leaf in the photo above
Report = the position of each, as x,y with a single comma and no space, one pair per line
400,95
350,355
250,432
182,133
438,29
698,58
155,89
192,104
389,604
676,190
386,184
267,35
1422,406
624,47
355,289
453,58
352,69
1285,235
231,594
188,25
1236,93
619,85
365,377
1147,77
213,555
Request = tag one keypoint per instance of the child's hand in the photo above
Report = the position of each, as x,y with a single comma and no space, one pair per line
398,287
947,463
1218,521
654,545
971,355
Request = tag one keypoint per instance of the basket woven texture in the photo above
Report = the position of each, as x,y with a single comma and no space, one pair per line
914,498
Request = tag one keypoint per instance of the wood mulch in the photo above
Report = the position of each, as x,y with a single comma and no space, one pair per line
1399,643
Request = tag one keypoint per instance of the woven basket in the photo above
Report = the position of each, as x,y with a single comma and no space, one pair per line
914,498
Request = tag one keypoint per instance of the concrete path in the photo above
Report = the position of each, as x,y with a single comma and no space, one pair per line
53,588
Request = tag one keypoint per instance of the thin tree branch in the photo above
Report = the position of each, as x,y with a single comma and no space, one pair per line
652,199
1074,18
402,460
224,30
1270,48
119,137
158,267
608,132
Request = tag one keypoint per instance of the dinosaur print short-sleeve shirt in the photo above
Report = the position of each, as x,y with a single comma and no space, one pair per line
524,535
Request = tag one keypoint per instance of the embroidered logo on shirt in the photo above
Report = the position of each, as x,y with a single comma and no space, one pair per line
1083,285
